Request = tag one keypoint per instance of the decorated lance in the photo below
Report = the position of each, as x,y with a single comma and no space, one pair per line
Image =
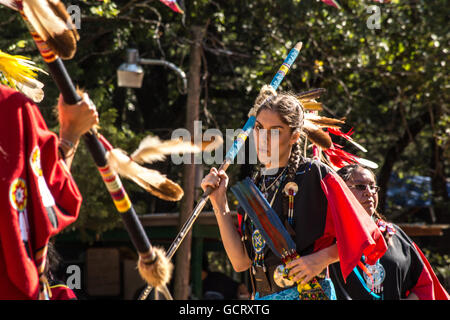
229,158
153,265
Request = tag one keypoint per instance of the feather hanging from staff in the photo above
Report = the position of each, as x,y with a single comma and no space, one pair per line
150,180
212,144
152,149
53,24
19,72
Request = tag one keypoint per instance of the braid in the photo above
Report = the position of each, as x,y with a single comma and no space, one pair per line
294,161
256,174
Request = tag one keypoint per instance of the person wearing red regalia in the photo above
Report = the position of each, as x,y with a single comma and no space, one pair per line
39,197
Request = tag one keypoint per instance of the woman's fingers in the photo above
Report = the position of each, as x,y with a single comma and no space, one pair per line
211,180
294,270
300,275
215,179
299,271
223,177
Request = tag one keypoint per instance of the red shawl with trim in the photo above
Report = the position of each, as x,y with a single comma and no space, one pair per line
356,233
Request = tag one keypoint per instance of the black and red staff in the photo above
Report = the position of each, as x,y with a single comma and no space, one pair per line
153,265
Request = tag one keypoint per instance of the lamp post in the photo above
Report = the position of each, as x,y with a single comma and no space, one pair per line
130,73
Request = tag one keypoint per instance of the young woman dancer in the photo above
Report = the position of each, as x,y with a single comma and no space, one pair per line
325,220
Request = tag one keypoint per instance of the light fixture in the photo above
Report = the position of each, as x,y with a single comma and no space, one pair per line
130,73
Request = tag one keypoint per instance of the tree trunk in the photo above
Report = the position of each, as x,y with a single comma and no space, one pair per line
438,178
394,153
183,256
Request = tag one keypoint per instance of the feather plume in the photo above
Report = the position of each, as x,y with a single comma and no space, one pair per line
323,122
338,132
159,271
316,135
211,145
152,149
60,10
34,92
308,99
367,163
311,94
51,21
19,72
10,4
340,158
312,128
312,105
150,180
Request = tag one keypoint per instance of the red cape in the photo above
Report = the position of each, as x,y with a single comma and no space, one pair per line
39,198
423,292
62,292
355,231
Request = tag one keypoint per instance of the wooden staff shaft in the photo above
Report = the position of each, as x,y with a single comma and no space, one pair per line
97,150
98,153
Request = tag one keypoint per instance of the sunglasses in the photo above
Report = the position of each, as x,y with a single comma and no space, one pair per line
363,187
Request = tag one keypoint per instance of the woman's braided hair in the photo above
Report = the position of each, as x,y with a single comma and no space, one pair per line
291,112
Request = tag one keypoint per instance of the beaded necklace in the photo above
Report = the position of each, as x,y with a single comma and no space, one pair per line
374,275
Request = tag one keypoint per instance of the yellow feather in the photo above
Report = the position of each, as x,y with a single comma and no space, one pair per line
311,105
19,72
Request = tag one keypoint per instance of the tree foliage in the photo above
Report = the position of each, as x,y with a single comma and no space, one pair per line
389,83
